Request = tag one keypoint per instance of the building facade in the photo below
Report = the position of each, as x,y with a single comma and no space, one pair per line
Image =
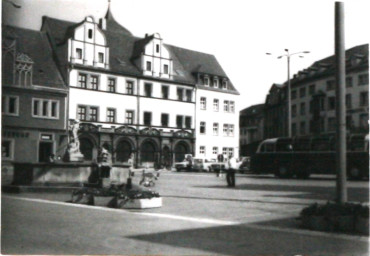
313,100
137,95
251,129
34,99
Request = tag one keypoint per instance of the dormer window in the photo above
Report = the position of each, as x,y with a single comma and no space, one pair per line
165,69
206,81
224,85
148,66
101,57
157,47
90,33
78,53
215,82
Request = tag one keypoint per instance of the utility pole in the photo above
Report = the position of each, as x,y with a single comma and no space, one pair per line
340,73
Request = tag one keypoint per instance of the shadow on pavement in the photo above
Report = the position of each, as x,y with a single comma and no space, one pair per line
311,192
246,239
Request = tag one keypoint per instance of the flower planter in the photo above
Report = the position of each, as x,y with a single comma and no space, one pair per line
344,223
362,225
107,201
145,203
318,223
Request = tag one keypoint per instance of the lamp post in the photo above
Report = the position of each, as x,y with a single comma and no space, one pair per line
289,107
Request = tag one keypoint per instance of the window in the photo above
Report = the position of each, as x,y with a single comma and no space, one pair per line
215,129
206,81
311,89
294,110
90,33
232,106
203,103
10,105
7,149
180,93
111,85
94,82
363,79
349,81
364,120
93,112
164,120
330,85
129,117
148,66
302,128
224,85
147,118
215,150
303,108
226,106
364,99
331,124
294,129
202,150
188,122
231,152
45,108
226,129
224,151
202,128
81,113
231,130
311,106
157,47
302,92
165,69
294,94
111,115
148,89
189,95
348,101
215,105
101,57
130,87
164,92
78,53
179,120
82,80
331,103
215,82
322,104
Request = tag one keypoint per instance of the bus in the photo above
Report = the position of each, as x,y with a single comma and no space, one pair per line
306,155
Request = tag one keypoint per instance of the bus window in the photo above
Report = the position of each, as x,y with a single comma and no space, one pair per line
303,144
269,147
284,147
320,145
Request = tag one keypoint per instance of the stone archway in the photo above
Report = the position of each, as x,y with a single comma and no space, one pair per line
123,151
166,157
148,152
181,149
86,148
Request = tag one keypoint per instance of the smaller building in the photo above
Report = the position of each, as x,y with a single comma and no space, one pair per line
251,125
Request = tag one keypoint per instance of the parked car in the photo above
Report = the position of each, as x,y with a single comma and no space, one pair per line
195,164
244,164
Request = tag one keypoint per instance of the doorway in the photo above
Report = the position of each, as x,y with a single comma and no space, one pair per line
45,151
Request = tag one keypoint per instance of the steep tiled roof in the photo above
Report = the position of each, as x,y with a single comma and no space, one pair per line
124,48
35,45
252,110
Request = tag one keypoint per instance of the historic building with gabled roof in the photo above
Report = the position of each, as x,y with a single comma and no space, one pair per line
140,95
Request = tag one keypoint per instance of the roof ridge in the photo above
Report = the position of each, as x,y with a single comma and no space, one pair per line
182,48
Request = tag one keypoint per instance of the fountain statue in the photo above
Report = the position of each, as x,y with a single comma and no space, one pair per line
73,153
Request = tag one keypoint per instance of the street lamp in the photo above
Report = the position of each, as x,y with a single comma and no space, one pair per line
288,55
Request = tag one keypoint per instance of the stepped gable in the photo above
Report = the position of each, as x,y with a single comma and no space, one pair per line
36,46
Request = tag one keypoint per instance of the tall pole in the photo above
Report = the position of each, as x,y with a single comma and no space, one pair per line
289,101
340,73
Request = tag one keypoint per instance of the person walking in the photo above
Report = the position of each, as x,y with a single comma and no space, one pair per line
230,175
220,160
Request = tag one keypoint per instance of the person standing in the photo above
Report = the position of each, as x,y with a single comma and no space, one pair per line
230,175
220,160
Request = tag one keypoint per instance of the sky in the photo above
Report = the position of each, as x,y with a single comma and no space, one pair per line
237,32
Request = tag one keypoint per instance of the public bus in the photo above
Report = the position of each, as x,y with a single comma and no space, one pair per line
302,156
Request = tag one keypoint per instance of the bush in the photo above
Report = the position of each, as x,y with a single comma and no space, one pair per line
331,209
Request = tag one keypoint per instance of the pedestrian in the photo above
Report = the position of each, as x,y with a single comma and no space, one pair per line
130,171
230,172
220,160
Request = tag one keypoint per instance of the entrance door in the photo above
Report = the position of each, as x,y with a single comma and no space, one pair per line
123,151
180,150
45,151
147,152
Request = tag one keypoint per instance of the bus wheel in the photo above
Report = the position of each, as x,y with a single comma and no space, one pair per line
355,173
283,172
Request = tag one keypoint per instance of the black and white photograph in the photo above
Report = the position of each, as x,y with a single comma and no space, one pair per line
173,127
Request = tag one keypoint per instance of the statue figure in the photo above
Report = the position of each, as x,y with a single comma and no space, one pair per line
73,153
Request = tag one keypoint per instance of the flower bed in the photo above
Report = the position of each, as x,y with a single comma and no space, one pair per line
348,217
117,197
